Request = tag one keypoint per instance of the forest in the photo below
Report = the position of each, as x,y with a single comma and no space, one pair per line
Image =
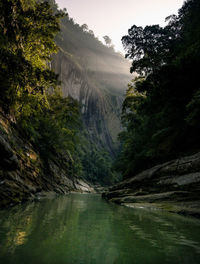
160,113
161,110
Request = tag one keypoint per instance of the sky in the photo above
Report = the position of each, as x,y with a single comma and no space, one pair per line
115,17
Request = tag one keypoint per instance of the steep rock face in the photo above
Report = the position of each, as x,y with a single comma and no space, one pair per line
100,108
174,185
24,175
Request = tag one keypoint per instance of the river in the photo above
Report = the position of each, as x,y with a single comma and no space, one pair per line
85,229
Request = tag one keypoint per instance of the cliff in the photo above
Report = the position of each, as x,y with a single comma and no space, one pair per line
24,175
173,186
100,109
97,77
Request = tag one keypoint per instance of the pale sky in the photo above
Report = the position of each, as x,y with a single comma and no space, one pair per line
115,17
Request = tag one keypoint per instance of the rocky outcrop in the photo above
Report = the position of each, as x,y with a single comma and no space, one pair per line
173,186
100,107
24,175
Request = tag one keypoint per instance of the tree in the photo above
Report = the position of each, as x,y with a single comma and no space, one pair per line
84,27
107,40
91,32
27,30
149,47
161,109
28,87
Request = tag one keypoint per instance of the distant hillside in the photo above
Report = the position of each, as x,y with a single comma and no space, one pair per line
97,77
93,56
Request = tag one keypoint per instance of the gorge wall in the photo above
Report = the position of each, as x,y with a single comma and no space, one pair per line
100,108
24,175
97,77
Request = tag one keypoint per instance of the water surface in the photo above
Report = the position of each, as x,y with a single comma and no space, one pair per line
84,229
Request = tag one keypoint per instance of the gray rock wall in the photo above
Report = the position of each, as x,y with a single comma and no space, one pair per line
175,184
24,175
100,109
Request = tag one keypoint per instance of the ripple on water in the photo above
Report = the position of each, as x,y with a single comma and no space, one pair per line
86,229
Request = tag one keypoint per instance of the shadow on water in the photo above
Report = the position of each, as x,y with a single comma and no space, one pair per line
84,229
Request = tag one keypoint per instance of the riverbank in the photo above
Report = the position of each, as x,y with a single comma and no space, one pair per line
173,186
27,175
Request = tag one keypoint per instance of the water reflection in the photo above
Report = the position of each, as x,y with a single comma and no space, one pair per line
86,229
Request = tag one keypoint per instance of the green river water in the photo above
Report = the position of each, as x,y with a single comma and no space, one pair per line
85,229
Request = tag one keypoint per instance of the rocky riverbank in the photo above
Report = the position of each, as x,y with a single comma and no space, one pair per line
173,186
25,175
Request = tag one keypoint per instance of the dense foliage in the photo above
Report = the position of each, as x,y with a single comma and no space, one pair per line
28,87
96,162
27,36
162,105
